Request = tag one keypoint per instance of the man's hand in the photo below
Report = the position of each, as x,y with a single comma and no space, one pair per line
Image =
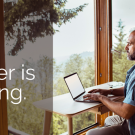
95,97
101,91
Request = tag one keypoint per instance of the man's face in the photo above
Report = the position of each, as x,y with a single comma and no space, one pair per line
130,47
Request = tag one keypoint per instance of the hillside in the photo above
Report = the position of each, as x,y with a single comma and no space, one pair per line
60,60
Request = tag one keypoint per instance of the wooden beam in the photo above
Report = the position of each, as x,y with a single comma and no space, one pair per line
103,41
97,45
3,101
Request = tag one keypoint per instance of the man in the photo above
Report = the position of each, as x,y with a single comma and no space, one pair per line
116,125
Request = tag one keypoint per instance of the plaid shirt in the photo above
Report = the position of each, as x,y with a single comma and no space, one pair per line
129,92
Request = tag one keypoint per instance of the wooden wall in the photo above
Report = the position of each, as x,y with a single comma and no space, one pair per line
3,101
103,41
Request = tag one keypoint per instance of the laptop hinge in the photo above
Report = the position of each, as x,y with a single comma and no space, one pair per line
79,95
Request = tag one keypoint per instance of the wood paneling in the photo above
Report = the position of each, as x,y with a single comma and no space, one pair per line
3,101
103,41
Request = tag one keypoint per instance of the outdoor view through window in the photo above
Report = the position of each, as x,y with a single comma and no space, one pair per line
31,28
73,51
123,24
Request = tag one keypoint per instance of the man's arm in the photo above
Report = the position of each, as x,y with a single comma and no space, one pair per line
122,109
118,91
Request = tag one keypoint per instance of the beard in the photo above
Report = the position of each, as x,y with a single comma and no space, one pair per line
131,56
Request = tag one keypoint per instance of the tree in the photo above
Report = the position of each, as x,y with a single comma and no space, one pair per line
44,74
30,19
83,120
85,69
43,71
74,64
120,45
25,116
57,70
58,125
120,63
88,78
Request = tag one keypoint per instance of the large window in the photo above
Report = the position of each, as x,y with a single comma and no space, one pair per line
28,50
29,27
123,24
73,51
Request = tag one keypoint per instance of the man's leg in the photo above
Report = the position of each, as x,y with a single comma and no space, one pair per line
111,130
114,125
114,120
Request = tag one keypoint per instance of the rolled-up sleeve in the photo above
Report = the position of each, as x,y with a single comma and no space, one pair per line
130,98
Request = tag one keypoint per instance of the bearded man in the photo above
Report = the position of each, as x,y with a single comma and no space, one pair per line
124,122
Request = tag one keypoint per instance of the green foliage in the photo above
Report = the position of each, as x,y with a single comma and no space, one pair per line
85,69
58,125
60,87
83,120
74,64
88,78
25,116
120,45
120,63
30,19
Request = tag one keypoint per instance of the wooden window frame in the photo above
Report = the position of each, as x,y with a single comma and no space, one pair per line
3,101
103,56
103,45
103,41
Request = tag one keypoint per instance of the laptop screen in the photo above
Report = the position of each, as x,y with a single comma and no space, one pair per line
74,84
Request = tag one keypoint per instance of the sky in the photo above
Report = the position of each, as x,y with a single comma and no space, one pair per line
124,10
77,36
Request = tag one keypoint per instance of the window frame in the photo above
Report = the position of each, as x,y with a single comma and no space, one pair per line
103,45
103,41
3,101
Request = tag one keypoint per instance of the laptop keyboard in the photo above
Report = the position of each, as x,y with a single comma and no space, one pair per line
80,98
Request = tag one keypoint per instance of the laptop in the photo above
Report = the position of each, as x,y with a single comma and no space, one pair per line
76,88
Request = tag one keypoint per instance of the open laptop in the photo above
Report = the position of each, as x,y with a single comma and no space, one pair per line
76,88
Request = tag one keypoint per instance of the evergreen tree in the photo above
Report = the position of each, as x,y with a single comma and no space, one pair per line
88,79
27,20
120,63
86,71
74,64
25,116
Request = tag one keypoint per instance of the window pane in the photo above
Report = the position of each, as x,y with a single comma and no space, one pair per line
28,50
28,37
123,24
73,51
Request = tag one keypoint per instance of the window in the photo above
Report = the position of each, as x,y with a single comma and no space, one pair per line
29,25
123,24
73,51
28,53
